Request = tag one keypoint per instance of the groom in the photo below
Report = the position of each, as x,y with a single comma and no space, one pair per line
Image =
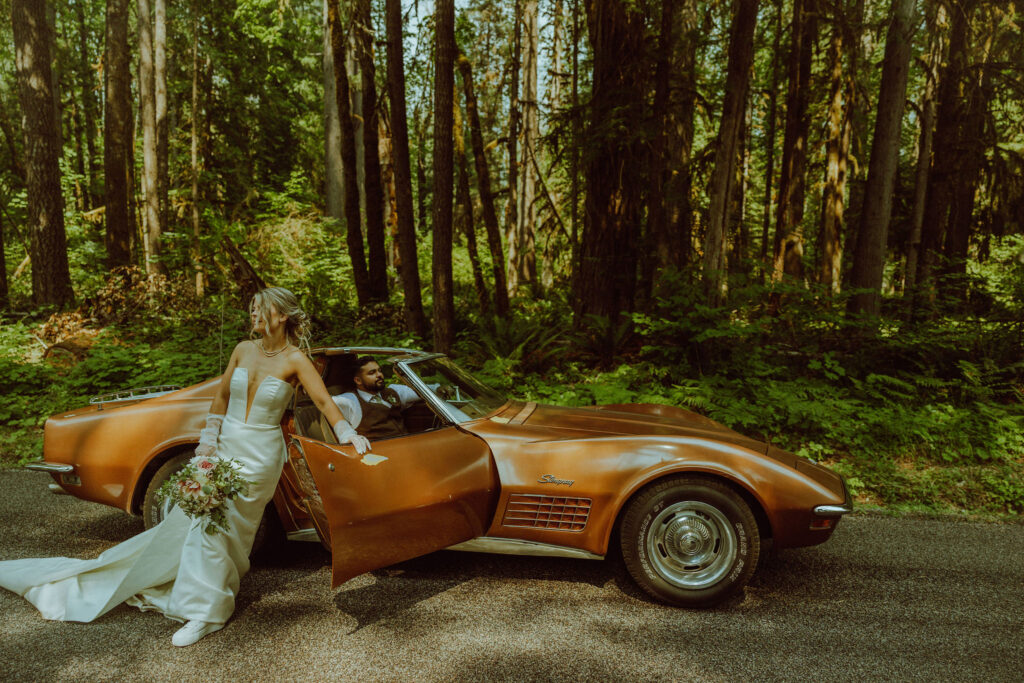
375,410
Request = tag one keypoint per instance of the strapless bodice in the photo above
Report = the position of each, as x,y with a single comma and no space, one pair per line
268,404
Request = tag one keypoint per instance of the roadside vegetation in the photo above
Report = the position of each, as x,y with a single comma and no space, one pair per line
921,417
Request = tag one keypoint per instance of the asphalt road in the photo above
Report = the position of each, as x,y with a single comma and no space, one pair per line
885,599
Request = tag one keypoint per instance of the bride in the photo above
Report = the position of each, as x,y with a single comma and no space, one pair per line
175,567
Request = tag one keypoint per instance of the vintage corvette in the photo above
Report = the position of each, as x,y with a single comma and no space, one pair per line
691,504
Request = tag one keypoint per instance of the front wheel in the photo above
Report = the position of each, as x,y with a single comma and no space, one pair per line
268,533
690,542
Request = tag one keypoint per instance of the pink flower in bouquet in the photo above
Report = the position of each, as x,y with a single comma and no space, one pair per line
204,463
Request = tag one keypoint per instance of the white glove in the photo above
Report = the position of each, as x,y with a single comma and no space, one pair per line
343,430
208,435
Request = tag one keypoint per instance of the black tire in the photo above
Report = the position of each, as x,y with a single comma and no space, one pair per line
268,533
690,542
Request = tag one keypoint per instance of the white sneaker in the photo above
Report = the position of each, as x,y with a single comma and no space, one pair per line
192,631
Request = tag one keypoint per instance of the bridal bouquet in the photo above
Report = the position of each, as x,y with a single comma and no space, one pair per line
202,487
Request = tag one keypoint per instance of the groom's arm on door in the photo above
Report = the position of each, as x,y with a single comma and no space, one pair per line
315,389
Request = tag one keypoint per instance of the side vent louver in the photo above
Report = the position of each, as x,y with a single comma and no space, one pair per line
546,512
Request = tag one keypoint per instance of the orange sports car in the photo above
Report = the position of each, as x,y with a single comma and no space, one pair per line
691,503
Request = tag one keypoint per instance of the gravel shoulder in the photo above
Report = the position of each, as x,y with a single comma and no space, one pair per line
886,598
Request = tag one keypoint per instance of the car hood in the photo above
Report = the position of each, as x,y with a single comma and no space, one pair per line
636,419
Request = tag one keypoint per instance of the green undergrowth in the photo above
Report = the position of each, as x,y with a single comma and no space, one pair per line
921,419
923,415
928,452
35,388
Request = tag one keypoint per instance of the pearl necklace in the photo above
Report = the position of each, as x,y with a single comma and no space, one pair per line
270,354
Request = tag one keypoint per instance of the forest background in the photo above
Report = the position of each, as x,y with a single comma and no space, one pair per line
802,218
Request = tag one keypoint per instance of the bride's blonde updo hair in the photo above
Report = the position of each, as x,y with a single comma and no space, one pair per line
297,327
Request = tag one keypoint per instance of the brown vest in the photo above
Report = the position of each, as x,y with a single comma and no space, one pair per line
381,419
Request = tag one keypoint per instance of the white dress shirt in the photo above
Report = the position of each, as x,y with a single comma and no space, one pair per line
352,410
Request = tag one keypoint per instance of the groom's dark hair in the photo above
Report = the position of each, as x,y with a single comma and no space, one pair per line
361,363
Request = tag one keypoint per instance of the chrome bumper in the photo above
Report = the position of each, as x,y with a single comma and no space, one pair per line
50,467
837,510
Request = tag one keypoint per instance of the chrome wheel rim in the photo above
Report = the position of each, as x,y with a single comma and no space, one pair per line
691,544
163,509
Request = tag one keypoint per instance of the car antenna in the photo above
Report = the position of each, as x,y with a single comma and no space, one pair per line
220,340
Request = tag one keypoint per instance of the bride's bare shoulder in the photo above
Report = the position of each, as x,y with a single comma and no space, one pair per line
244,346
242,350
296,357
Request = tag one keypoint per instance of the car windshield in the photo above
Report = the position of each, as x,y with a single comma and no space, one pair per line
467,397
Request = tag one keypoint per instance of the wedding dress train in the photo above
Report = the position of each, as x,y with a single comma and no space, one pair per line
175,567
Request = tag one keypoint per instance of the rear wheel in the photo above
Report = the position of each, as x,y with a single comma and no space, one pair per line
268,533
153,510
690,542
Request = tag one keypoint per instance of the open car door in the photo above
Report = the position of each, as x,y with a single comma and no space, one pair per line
410,496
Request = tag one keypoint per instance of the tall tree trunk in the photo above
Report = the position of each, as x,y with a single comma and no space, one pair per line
334,182
423,189
18,169
387,181
858,113
117,138
86,78
978,91
51,277
526,213
772,115
465,218
873,231
135,204
944,175
556,70
677,244
147,105
55,74
197,256
614,171
408,265
830,252
789,237
206,140
556,103
512,207
736,262
444,101
160,105
372,186
574,155
75,122
353,216
483,180
935,16
656,238
737,80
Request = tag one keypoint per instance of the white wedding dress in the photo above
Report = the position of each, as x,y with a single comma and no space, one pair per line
175,567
